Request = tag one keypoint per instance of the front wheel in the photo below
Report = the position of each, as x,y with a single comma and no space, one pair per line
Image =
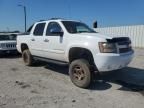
80,73
27,58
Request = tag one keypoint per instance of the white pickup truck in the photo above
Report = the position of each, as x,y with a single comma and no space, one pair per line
74,43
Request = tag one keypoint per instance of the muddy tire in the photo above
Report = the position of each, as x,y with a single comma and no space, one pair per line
80,73
27,58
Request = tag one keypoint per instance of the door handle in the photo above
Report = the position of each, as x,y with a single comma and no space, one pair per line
46,40
32,39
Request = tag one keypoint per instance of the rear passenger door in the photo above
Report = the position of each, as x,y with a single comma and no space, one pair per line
36,40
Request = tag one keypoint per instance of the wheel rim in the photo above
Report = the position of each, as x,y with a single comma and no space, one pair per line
78,73
25,58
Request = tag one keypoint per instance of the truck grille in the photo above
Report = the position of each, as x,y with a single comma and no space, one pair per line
123,44
124,50
8,45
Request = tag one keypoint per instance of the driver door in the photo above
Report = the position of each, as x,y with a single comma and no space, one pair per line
54,43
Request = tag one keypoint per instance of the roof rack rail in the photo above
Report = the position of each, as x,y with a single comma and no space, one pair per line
41,20
55,18
50,19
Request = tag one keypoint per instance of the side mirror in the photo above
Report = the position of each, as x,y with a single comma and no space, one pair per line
56,31
95,25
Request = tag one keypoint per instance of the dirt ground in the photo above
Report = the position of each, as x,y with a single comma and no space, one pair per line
49,86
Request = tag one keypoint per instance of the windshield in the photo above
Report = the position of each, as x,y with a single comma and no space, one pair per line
29,30
77,27
7,37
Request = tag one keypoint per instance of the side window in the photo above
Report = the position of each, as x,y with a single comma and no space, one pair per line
53,26
39,29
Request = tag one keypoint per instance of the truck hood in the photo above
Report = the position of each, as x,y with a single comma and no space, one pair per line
104,36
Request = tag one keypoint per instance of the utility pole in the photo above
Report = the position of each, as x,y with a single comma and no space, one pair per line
25,16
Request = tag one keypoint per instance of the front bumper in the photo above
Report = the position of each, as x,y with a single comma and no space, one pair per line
108,62
8,51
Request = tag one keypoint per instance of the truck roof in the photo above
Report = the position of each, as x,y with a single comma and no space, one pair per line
57,19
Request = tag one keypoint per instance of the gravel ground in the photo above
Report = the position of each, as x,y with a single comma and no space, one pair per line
49,86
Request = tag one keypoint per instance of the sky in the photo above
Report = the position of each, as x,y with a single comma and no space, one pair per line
105,12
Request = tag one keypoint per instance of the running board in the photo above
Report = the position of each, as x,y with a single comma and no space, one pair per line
50,60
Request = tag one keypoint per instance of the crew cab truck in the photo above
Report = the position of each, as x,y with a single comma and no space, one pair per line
74,43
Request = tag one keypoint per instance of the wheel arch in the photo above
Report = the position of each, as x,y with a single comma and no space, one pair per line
24,46
80,53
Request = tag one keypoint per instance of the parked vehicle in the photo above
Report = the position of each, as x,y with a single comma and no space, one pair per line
74,43
7,43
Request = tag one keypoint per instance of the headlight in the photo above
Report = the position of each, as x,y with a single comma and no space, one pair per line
106,47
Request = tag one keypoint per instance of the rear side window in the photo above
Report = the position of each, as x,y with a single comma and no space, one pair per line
39,29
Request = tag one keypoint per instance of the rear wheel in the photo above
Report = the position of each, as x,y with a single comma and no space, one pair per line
80,73
27,58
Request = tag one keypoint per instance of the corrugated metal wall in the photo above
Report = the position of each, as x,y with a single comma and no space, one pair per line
136,33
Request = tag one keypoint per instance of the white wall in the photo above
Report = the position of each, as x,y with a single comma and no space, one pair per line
136,33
